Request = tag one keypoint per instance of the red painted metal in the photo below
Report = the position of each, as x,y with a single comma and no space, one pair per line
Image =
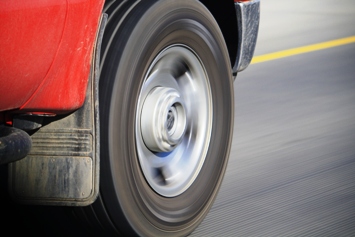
46,48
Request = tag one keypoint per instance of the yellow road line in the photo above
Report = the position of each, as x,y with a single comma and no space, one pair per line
301,50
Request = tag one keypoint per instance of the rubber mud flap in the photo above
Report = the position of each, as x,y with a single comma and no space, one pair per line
62,167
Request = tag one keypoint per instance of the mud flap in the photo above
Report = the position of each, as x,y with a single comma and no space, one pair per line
62,167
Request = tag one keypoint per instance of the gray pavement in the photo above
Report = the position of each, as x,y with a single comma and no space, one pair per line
292,165
289,24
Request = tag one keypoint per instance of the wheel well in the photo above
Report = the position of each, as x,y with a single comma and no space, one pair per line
225,15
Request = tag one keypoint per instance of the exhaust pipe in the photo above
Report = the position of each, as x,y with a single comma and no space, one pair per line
15,144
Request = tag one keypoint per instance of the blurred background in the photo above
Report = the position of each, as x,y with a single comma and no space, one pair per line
292,164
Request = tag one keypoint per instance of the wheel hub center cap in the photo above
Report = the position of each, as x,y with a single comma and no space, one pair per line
163,119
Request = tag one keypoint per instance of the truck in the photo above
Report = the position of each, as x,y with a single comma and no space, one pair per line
122,110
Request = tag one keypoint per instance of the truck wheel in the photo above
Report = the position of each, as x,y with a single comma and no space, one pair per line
166,107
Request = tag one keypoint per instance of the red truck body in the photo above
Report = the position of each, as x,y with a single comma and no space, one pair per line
46,48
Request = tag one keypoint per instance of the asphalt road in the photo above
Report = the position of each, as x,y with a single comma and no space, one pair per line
292,165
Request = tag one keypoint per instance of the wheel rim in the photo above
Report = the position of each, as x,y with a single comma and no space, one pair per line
174,120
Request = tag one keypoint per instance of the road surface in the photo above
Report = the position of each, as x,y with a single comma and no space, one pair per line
292,165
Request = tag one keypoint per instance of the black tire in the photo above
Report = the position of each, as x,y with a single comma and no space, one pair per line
131,201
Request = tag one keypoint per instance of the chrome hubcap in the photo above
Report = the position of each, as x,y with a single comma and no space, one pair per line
174,120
